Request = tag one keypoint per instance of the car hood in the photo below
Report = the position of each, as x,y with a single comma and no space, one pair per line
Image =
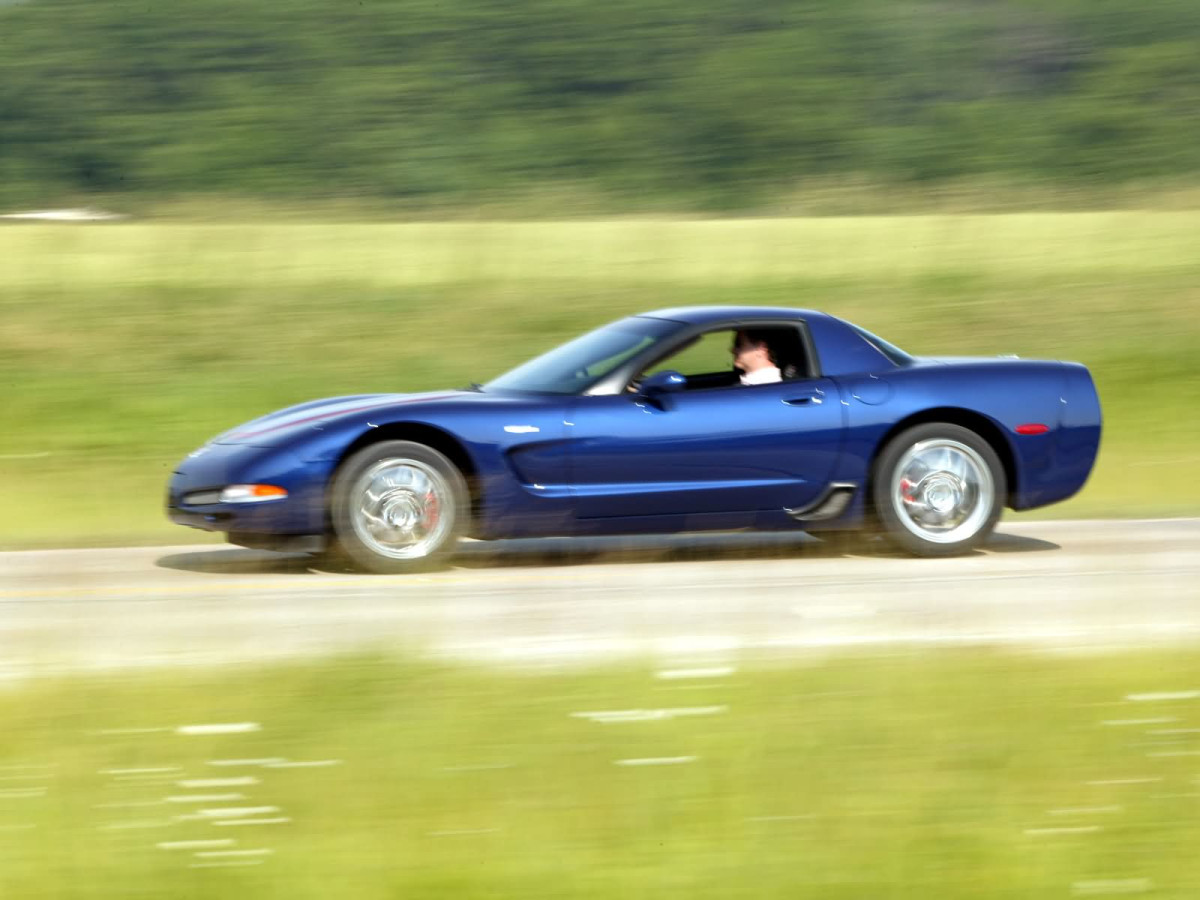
278,426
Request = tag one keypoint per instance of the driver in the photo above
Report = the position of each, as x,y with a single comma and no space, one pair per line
752,357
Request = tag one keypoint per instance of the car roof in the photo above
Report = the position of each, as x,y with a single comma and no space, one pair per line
704,315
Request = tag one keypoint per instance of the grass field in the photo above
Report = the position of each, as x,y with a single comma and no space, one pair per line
125,345
894,776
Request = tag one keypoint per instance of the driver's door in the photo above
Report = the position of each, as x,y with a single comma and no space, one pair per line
722,449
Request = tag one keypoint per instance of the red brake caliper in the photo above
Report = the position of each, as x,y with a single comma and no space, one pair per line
432,511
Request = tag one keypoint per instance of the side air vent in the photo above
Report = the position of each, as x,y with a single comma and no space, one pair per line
831,504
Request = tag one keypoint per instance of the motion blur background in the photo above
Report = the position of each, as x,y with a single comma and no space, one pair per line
345,197
303,199
632,105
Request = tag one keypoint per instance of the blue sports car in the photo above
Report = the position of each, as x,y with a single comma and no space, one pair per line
690,419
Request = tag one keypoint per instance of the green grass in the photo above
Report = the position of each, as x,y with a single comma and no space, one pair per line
124,346
898,776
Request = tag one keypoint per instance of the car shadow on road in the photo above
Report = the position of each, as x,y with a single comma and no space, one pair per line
1016,543
574,551
699,548
237,561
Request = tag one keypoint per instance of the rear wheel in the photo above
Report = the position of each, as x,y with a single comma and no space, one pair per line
938,489
397,506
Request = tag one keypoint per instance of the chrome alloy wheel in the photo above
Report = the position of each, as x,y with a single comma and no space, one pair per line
402,508
942,491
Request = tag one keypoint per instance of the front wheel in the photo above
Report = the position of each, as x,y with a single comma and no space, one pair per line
396,507
938,490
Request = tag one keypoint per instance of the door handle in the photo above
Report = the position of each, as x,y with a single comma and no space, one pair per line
801,401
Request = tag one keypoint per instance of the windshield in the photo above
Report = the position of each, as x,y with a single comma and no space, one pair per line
578,364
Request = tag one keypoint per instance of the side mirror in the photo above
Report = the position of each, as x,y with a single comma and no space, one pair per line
667,381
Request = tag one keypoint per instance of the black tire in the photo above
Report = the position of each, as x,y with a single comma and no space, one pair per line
956,502
411,518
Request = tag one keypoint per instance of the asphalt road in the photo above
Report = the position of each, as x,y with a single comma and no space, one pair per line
688,600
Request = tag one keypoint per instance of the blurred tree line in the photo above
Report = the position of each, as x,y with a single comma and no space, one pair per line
696,103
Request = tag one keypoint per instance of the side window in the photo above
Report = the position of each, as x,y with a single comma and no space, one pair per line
708,361
707,356
788,349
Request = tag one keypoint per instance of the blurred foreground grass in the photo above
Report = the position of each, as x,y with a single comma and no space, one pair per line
124,346
906,775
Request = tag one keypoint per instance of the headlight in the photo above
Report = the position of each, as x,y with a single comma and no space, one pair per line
251,493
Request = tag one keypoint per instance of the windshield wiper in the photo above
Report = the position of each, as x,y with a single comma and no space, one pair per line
474,387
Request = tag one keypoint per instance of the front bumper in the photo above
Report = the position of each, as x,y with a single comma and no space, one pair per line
214,466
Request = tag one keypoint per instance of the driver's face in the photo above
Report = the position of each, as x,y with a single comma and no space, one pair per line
746,352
